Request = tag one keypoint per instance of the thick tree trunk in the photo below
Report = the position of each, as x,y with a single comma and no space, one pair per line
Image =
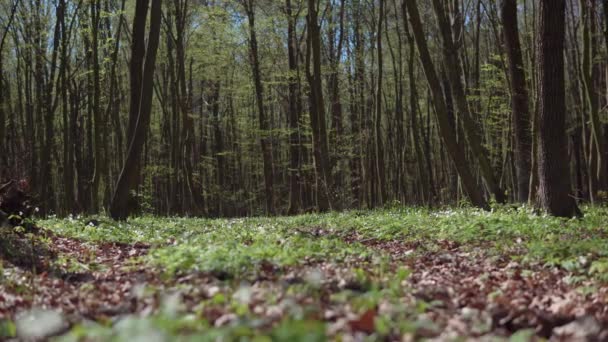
553,171
519,100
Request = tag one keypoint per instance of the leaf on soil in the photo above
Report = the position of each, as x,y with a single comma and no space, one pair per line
365,323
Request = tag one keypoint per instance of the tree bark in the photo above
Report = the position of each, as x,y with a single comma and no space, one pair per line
46,184
263,120
295,107
553,170
99,165
129,176
379,145
317,109
454,72
336,42
191,198
596,139
425,175
455,149
519,100
3,153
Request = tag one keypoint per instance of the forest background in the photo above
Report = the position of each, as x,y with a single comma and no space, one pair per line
273,107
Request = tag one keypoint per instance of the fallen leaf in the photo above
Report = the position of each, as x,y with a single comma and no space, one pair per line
365,323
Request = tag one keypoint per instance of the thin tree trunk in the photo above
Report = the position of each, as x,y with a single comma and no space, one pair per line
191,198
596,141
454,72
129,177
519,100
68,151
99,165
49,103
3,152
427,191
317,109
263,120
380,173
335,55
455,149
295,203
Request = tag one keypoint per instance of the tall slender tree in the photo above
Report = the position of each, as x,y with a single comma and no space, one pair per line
141,102
454,73
295,111
317,108
379,145
3,154
519,99
263,119
597,143
454,147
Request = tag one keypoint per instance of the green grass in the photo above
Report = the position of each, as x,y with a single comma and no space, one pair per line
239,249
234,245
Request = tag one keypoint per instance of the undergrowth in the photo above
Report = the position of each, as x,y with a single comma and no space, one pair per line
233,245
239,254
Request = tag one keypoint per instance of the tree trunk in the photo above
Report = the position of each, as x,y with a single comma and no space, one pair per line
519,100
454,72
425,175
218,145
46,184
190,197
356,114
317,109
294,114
335,55
3,153
68,151
99,165
264,122
596,141
380,174
455,149
129,176
553,170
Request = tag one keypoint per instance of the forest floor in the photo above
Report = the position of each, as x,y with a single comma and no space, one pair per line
397,274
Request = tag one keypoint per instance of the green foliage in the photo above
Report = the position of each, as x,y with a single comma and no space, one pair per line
238,252
7,329
242,245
